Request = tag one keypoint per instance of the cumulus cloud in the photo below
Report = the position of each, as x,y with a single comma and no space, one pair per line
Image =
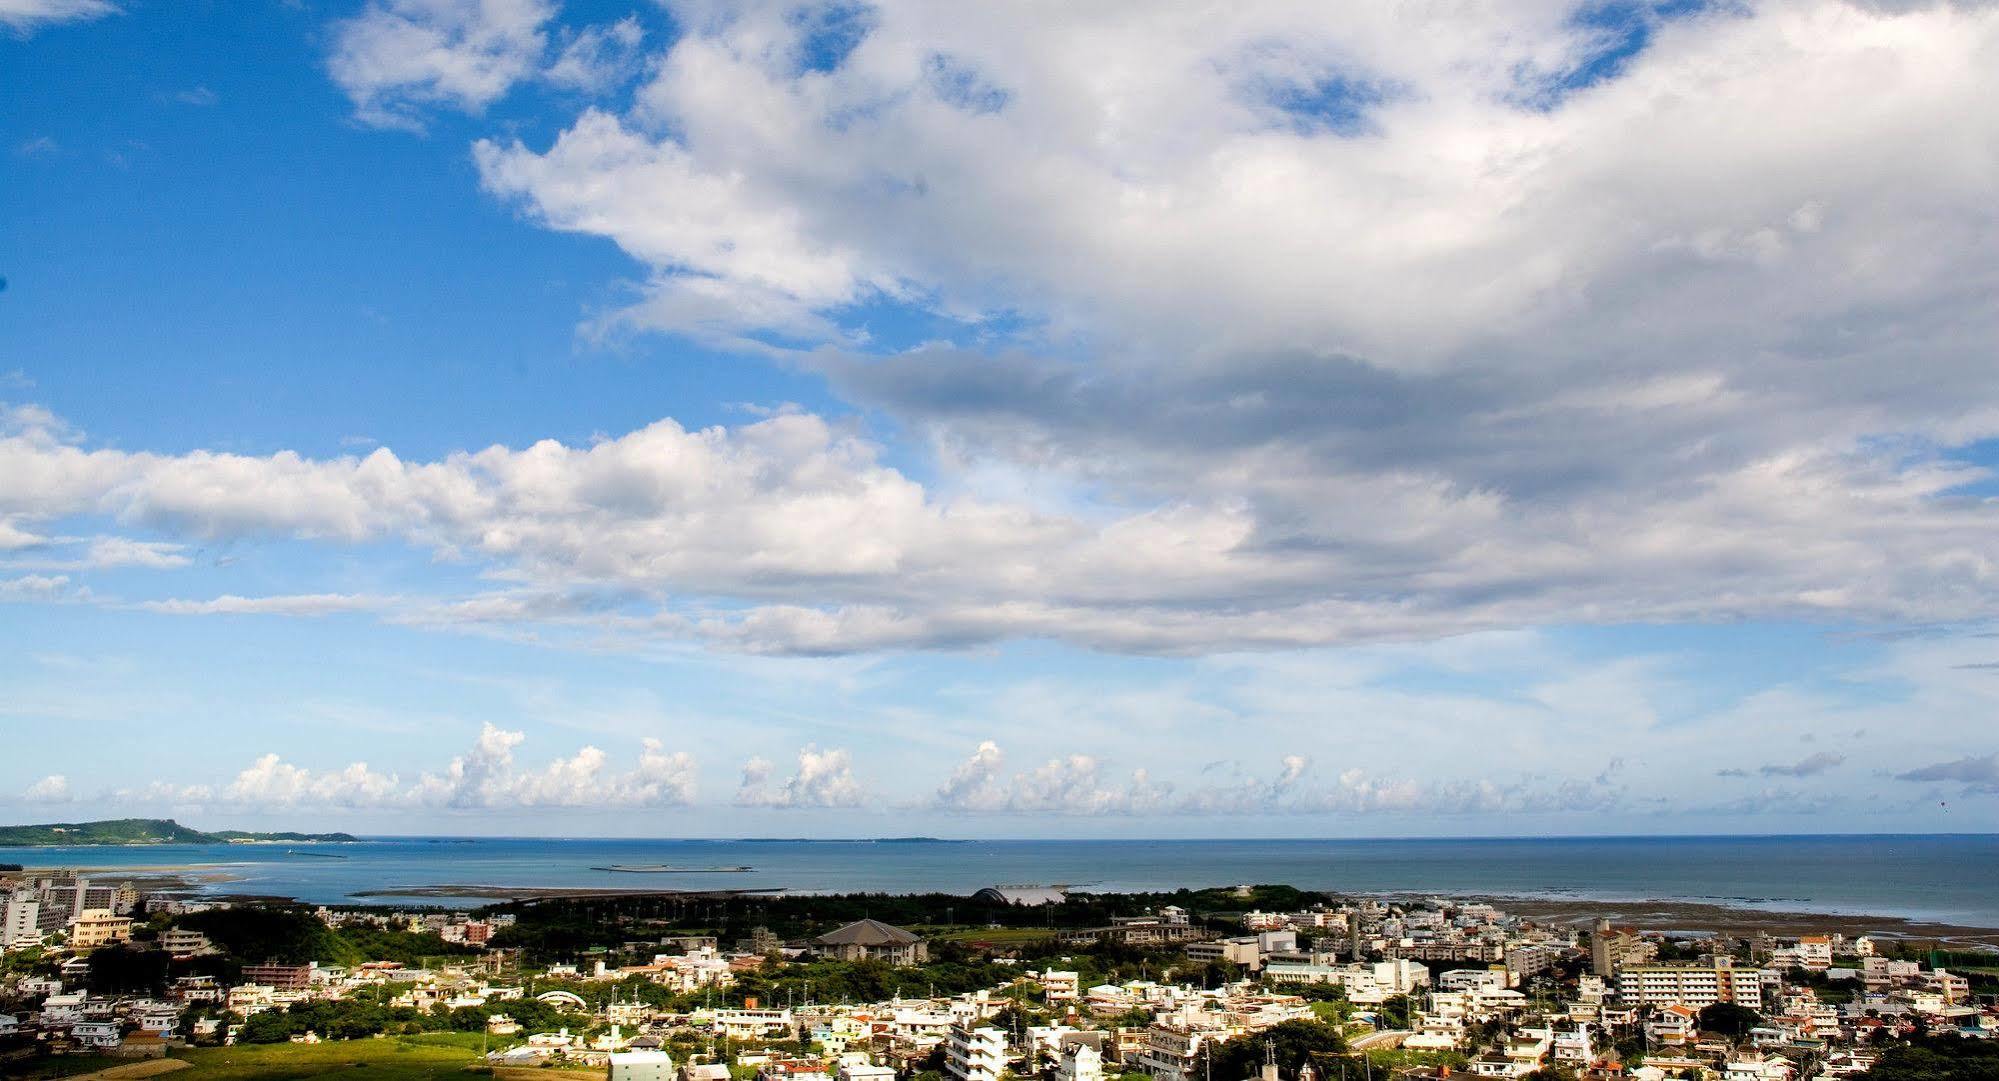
1077,785
35,587
272,782
399,57
823,779
1473,396
27,16
1289,558
53,788
1068,785
1977,773
1395,368
486,776
13,537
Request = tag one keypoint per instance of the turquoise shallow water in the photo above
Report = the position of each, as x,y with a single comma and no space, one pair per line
1952,878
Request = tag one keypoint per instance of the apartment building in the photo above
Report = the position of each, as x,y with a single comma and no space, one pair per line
96,927
1694,986
180,942
279,977
975,1053
20,923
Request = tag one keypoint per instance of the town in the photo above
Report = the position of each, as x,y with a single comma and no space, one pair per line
1249,982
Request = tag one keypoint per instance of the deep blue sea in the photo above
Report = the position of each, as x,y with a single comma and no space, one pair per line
1947,878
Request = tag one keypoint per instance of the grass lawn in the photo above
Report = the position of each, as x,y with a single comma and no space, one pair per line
398,1058
998,936
61,1066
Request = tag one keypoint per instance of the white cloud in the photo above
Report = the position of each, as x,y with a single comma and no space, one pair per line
14,538
1184,143
307,604
1067,785
824,779
399,57
51,789
126,552
35,587
1076,785
819,548
486,776
1701,341
27,16
272,782
597,59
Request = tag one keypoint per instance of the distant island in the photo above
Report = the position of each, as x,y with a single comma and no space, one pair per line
144,831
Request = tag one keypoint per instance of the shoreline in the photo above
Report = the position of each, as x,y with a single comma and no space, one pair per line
1734,921
546,893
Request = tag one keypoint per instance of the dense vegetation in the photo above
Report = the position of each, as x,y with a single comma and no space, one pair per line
1291,1045
368,1012
1728,1019
1941,1058
562,929
139,831
291,934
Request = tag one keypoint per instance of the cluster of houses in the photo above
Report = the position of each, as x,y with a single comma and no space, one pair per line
1467,986
85,912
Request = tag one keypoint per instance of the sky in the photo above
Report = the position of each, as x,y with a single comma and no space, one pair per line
606,417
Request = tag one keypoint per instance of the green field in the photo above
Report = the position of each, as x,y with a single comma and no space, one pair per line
403,1058
997,936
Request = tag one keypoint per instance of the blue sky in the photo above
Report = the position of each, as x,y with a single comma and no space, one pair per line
506,416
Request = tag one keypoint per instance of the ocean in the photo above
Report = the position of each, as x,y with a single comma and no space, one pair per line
1943,878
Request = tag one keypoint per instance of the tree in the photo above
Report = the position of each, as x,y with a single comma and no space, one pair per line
127,969
1294,1043
1942,1058
1728,1019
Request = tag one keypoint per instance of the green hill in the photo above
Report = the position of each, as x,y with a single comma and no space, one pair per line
140,831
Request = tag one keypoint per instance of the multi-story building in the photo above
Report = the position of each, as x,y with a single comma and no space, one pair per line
1524,962
752,1023
1612,947
1694,986
975,1053
181,942
20,924
96,927
279,977
1060,986
1815,952
1158,930
1171,1051
1080,1062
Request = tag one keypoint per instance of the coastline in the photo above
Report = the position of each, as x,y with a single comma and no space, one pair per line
1735,921
548,893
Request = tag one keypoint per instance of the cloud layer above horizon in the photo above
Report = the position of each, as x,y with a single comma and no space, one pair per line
1158,332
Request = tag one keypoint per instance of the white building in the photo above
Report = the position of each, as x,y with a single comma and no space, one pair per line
975,1054
1059,986
102,1034
1695,986
20,923
64,1009
641,1066
1080,1062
